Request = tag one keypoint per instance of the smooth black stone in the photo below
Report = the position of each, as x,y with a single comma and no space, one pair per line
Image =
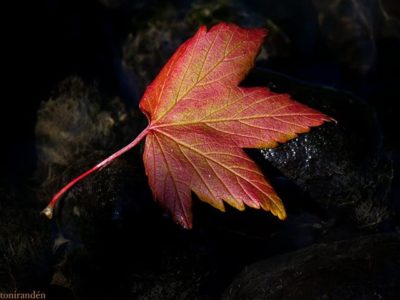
363,268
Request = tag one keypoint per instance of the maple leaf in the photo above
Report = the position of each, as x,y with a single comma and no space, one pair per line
200,120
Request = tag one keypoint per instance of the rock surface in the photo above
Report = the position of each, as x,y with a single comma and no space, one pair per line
342,166
78,120
362,268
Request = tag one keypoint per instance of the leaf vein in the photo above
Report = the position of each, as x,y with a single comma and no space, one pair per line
172,177
220,164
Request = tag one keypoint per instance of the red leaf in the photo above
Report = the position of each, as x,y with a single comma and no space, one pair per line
200,121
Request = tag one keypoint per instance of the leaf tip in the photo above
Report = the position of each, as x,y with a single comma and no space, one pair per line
275,206
202,29
262,32
281,214
329,119
184,222
239,205
258,33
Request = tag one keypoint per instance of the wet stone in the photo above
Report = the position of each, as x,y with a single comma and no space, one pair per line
342,166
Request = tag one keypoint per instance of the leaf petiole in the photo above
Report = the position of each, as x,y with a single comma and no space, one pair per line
49,210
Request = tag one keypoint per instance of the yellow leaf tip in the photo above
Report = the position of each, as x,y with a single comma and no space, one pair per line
275,206
239,205
281,214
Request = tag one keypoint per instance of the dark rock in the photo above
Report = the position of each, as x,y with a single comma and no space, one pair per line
362,268
25,243
153,41
98,205
341,166
352,29
75,130
113,241
77,120
180,274
111,234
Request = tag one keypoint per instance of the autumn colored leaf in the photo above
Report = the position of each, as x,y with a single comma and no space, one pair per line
200,120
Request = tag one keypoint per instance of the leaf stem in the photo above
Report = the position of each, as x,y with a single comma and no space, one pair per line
48,211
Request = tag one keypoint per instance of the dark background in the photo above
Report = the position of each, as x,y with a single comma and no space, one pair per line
119,46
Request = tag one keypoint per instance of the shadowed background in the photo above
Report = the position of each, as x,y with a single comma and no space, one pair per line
75,73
